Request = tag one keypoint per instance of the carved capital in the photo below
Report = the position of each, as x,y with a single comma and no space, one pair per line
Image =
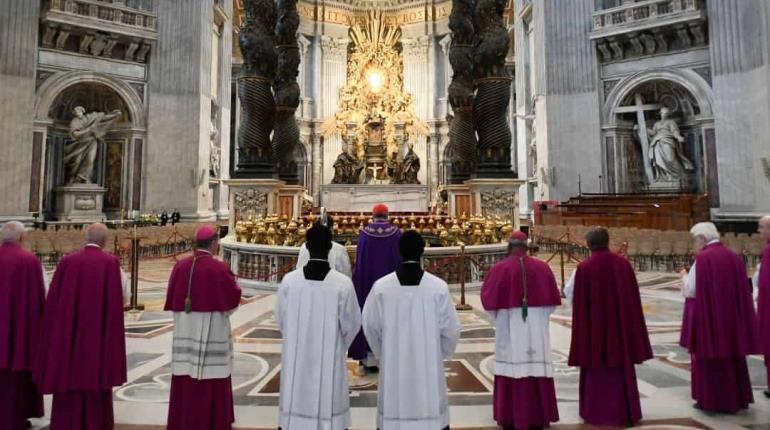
334,47
416,48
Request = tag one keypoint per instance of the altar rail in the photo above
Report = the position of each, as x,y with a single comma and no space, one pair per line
155,241
263,266
647,249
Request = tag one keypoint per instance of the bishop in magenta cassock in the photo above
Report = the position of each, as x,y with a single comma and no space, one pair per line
82,352
22,296
609,335
202,293
762,285
376,256
721,328
520,293
412,327
318,315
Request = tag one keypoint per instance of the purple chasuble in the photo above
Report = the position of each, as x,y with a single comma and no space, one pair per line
376,256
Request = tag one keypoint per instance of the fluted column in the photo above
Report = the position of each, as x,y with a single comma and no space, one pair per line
333,76
317,166
418,83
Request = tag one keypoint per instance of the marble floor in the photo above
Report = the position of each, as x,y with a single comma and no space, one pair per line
664,383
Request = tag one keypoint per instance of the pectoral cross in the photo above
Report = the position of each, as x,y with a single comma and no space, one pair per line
639,108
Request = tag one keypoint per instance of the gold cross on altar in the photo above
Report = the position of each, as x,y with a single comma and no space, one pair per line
374,170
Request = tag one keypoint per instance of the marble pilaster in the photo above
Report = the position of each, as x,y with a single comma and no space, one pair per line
334,52
225,108
567,112
179,123
739,32
18,58
317,166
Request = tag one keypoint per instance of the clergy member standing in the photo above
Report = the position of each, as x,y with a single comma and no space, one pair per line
411,324
762,285
318,315
82,353
722,330
609,335
520,293
202,293
22,296
339,259
376,256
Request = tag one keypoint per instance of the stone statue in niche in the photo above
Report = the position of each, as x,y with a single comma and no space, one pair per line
87,131
395,169
410,167
347,167
214,151
669,164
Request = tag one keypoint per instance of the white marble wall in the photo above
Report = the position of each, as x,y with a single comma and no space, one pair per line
180,110
740,57
18,58
224,99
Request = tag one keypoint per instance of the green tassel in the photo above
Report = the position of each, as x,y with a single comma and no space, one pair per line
524,310
187,305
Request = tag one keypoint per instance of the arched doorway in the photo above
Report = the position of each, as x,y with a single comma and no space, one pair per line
633,160
119,157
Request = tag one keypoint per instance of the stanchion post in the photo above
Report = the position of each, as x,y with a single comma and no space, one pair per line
462,306
134,303
561,263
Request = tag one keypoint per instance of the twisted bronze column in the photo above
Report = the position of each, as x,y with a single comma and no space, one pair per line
493,90
257,43
462,136
287,91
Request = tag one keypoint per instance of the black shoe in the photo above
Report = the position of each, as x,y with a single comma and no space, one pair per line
767,393
372,369
697,406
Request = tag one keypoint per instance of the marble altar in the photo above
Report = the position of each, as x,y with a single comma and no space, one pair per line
361,198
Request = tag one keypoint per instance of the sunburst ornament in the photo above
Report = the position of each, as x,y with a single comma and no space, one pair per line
374,88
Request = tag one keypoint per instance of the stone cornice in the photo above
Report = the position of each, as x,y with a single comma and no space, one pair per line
350,12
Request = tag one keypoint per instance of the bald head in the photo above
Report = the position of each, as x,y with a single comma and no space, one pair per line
764,227
97,234
11,232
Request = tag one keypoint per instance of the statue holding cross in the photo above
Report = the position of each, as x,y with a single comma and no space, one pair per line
664,160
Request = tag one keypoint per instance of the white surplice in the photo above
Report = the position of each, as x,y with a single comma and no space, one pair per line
339,259
412,330
523,349
318,322
202,345
755,282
